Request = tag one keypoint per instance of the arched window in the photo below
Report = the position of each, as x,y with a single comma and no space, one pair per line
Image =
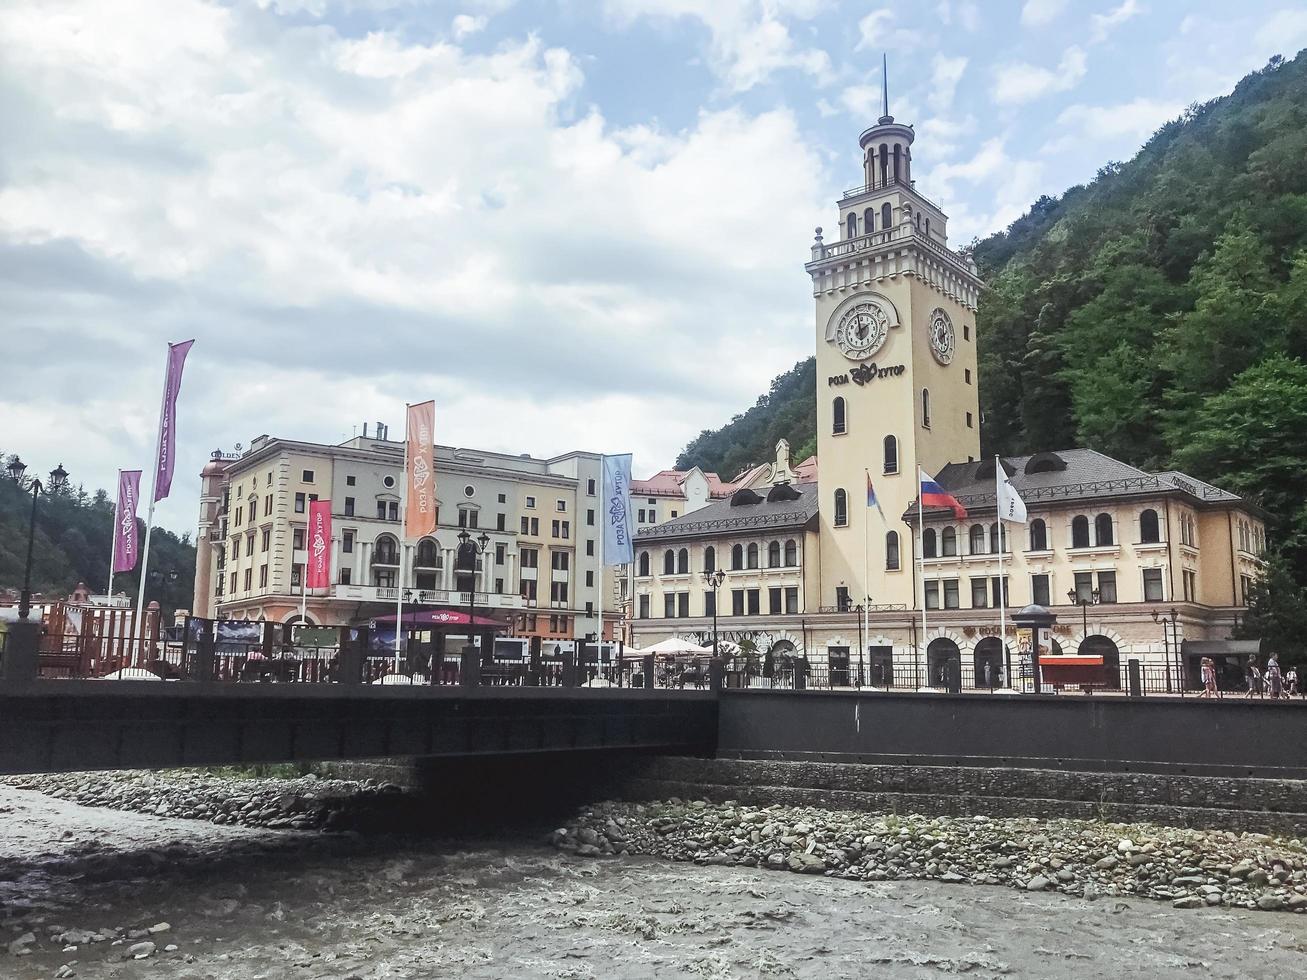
884,163
977,539
925,407
1080,531
1038,535
774,555
710,559
853,226
644,564
1103,530
841,508
838,425
928,225
994,545
868,221
892,550
891,455
428,555
948,542
791,553
1149,532
386,551
917,220
886,217
928,543
669,562
752,556
737,557
898,154
683,562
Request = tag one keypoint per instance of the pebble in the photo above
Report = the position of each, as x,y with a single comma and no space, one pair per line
140,950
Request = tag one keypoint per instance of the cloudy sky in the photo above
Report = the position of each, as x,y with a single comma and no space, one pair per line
573,224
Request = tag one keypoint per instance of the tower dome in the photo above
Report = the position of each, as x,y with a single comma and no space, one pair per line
886,153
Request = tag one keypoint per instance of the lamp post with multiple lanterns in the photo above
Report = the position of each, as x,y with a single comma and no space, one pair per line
470,552
1170,638
58,479
714,580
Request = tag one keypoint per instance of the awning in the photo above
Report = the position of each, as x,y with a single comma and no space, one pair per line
439,617
1220,648
1055,660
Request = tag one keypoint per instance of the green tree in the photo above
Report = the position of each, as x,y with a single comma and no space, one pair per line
1277,614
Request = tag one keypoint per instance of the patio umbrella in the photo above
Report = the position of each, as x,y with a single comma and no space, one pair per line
676,646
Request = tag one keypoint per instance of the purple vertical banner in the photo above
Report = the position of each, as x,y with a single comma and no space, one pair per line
124,530
168,418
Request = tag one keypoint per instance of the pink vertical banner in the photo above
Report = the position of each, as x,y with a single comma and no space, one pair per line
168,418
318,570
125,543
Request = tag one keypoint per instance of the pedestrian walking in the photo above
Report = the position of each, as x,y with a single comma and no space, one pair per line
1291,681
1209,678
1253,677
1274,679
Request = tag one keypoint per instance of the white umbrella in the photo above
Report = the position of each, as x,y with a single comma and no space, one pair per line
674,646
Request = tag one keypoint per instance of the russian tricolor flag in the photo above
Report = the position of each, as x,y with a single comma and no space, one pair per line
933,495
871,496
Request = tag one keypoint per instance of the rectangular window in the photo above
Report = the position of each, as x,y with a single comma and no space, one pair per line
499,586
499,522
462,517
640,516
966,375
644,607
296,538
501,552
774,601
265,539
381,510
1084,586
350,481
263,576
349,506
558,591
737,602
842,601
535,527
683,605
345,575
951,595
249,545
792,600
1152,585
530,503
562,506
240,513
347,542
669,605
295,577
753,601
526,526
1245,589
590,546
996,583
254,510
589,579
932,595
1190,585
653,516
1107,586
267,505
590,488
306,476
1039,590
249,579
709,602
530,558
979,593
392,510
233,582
267,479
590,518
673,515
299,505
503,498
969,425
559,561
529,590
567,530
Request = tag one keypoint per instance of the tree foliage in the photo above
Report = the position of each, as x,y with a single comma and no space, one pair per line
72,541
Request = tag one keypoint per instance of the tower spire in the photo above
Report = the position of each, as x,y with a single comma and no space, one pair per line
884,83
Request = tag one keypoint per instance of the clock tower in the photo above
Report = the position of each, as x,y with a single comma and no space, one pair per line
896,368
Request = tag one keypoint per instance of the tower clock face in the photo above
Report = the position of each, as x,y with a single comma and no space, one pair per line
942,338
861,330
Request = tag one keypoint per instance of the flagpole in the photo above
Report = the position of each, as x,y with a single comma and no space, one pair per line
921,565
866,578
1002,592
599,499
113,534
149,514
403,520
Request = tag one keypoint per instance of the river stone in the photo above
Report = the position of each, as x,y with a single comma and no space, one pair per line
140,950
1038,884
1271,903
1189,902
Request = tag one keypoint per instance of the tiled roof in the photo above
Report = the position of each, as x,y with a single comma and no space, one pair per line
719,516
1087,475
667,483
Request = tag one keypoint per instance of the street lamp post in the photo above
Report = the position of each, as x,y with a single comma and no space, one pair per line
58,477
860,609
1170,639
714,580
471,550
1084,602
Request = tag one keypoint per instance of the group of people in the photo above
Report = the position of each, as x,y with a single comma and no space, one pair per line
1273,682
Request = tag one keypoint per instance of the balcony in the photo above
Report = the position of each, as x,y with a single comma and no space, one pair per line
427,597
385,559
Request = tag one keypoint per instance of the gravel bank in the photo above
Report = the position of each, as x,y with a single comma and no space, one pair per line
1187,868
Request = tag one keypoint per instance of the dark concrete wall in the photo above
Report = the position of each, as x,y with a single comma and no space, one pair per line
1232,737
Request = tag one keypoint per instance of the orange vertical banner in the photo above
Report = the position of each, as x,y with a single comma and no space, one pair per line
420,507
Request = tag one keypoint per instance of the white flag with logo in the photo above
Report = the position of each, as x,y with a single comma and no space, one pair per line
1010,506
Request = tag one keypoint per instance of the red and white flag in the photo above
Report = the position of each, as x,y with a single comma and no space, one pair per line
318,565
420,506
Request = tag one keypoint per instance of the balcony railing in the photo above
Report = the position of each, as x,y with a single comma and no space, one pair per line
910,185
433,597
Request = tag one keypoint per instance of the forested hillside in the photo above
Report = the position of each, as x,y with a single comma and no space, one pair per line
1158,313
73,530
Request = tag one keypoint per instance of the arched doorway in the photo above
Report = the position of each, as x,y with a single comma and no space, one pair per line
988,657
1100,646
943,663
780,656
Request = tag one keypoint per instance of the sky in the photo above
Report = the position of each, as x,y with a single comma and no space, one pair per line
574,225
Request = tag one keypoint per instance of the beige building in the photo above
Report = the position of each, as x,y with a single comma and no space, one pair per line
896,348
540,570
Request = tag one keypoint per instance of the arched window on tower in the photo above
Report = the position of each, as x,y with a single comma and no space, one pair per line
927,226
868,221
925,407
841,508
884,164
853,226
898,152
1149,533
886,217
891,455
917,220
838,425
892,550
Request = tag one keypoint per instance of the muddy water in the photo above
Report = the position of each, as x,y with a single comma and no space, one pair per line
255,904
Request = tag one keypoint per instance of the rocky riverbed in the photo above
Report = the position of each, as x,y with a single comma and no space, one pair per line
1189,868
99,892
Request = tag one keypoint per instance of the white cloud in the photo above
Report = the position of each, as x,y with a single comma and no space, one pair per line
1132,121
1285,31
965,13
750,39
945,74
1020,82
465,25
383,220
877,32
1104,24
1036,13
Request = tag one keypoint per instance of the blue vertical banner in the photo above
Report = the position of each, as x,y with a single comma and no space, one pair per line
618,544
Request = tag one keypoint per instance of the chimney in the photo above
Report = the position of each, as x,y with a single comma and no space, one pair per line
365,430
